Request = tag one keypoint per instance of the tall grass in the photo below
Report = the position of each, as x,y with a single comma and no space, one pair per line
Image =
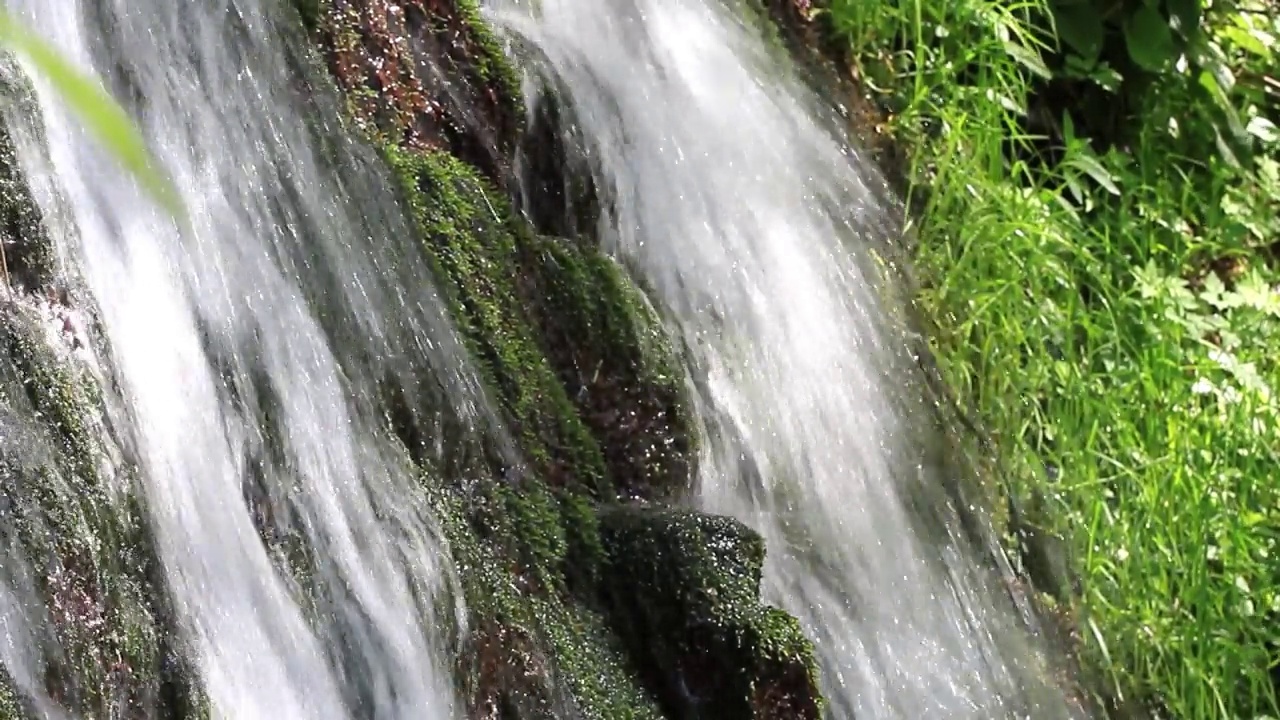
1112,317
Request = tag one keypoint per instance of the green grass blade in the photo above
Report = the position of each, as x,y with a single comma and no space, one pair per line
101,115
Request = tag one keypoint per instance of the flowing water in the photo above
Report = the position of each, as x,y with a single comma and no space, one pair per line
257,351
728,193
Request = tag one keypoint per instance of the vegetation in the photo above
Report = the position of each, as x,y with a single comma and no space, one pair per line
1093,186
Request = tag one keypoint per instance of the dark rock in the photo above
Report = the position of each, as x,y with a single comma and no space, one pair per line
683,590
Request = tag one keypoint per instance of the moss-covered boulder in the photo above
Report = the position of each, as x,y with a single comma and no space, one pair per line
571,348
614,357
472,238
584,373
537,644
684,591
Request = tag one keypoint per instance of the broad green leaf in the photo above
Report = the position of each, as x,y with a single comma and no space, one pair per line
1210,81
102,116
1247,40
1263,129
1186,14
1149,39
1086,163
1080,27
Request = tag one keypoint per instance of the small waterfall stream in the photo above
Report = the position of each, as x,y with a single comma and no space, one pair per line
751,222
254,353
257,363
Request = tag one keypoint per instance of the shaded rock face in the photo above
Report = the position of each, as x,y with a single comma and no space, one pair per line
684,588
589,596
583,604
75,549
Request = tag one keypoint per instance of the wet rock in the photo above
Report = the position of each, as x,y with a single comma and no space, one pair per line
424,74
26,250
473,240
74,544
537,646
684,593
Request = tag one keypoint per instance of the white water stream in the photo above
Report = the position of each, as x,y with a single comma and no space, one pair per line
251,352
751,220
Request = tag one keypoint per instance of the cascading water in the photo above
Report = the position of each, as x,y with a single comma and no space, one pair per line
255,350
750,222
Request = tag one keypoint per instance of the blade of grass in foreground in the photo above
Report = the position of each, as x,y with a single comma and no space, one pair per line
101,115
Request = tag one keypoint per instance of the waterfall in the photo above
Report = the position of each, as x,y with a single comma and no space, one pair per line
732,198
254,356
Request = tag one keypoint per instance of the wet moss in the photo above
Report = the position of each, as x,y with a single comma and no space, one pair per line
9,708
27,257
426,74
472,239
74,529
613,355
593,663
534,650
308,12
683,592
577,355
491,64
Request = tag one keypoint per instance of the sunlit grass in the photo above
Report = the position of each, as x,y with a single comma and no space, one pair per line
1081,323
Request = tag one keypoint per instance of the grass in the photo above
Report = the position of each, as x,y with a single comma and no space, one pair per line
1096,246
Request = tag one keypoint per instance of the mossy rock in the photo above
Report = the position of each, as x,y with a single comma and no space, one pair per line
424,74
576,355
535,649
27,259
683,590
9,707
473,241
615,359
83,544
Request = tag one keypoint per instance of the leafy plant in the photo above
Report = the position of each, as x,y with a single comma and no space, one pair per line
1107,303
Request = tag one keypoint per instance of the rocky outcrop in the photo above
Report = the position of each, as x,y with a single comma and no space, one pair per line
583,604
76,554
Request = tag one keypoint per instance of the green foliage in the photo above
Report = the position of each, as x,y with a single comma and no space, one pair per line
1097,242
102,116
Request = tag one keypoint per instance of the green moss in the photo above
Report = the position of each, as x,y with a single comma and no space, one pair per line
58,393
613,355
491,63
590,659
584,553
309,11
9,707
77,531
532,651
683,591
535,521
534,648
472,240
28,257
